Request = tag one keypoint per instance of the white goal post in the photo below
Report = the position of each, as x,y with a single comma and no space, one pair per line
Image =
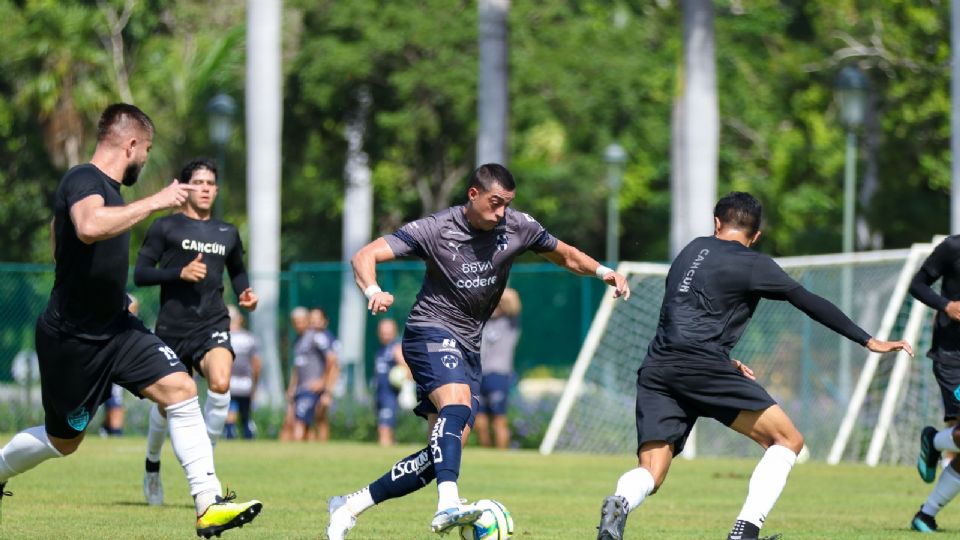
796,359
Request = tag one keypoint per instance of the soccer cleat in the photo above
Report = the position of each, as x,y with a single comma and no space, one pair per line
929,455
3,493
457,516
924,523
152,488
341,520
226,514
613,518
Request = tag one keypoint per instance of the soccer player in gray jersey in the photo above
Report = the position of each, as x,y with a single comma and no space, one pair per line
500,337
243,377
469,250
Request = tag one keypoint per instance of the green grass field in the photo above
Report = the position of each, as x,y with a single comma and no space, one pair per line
97,494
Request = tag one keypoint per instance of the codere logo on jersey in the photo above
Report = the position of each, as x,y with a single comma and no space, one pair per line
215,248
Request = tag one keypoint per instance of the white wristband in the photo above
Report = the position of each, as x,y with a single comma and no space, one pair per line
602,271
371,290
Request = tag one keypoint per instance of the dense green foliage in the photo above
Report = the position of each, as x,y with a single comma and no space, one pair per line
96,494
583,73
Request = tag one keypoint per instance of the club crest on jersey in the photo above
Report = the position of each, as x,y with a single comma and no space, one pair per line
450,361
502,242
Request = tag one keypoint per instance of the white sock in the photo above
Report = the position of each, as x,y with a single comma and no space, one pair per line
946,489
359,501
449,495
944,441
215,414
188,436
634,486
156,433
25,451
766,484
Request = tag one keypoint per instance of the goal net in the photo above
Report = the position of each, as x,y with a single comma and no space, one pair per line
822,380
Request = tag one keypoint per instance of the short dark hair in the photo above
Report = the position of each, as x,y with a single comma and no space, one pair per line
202,163
118,115
488,174
739,210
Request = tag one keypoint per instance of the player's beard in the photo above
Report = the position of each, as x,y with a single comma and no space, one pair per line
131,174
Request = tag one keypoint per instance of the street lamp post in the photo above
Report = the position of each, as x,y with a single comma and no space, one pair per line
851,95
220,111
615,157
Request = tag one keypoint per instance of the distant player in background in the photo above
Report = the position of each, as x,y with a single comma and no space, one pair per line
390,370
943,264
113,411
469,250
712,290
311,374
86,338
186,253
320,430
500,337
243,378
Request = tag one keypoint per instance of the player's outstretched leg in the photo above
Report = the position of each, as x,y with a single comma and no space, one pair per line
191,445
446,445
406,476
946,489
929,455
156,434
25,451
766,484
632,488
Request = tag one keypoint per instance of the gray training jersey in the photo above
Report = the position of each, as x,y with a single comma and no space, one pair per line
244,349
500,336
310,356
467,268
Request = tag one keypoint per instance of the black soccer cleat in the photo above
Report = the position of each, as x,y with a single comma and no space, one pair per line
924,523
613,518
929,456
3,493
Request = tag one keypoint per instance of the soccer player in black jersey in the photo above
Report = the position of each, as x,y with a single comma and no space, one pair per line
712,290
186,253
86,339
943,264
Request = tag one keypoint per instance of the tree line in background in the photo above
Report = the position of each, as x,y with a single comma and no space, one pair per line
582,75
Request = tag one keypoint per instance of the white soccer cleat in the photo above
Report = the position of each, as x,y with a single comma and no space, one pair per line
457,516
341,520
153,488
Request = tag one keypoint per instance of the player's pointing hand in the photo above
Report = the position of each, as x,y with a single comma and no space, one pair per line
889,346
173,196
195,271
616,280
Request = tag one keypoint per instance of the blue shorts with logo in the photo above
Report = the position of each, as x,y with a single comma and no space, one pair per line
494,390
435,358
304,405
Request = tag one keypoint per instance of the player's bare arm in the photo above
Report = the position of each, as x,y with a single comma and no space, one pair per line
95,222
364,264
578,262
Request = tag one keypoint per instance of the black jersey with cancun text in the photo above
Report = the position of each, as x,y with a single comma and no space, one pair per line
89,298
942,264
174,241
712,289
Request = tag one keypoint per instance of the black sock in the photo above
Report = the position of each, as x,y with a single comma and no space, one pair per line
743,530
406,476
152,466
445,441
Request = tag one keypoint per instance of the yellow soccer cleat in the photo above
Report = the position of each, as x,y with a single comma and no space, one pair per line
226,514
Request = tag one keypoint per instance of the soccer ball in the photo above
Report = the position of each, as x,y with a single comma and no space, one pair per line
494,523
397,376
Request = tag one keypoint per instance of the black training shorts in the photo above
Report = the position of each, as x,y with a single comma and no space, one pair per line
947,372
76,373
671,396
191,349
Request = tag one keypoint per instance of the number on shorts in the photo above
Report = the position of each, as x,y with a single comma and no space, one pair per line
221,337
168,352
